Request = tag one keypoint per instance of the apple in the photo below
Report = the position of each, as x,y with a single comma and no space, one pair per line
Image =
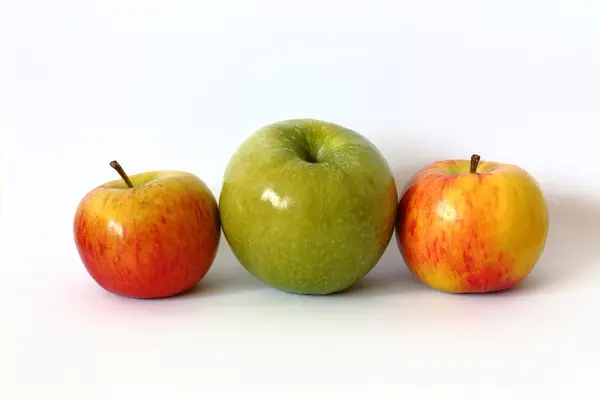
308,206
471,227
150,235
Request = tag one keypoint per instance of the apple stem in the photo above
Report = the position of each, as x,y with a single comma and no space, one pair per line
474,163
115,164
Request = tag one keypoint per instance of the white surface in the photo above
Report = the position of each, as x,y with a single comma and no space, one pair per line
180,84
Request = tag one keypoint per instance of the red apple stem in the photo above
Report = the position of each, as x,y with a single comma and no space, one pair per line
474,163
115,164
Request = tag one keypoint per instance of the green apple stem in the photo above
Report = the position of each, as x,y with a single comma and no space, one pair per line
115,164
474,163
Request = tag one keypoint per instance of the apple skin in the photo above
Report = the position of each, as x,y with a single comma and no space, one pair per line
463,232
308,206
155,240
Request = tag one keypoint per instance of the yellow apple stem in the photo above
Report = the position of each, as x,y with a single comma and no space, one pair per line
474,163
115,164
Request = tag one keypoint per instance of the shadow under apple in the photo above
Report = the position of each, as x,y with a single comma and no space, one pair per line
572,252
389,277
225,277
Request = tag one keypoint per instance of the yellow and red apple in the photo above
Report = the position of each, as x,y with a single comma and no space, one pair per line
150,235
471,226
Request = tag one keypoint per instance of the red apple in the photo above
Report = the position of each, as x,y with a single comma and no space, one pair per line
151,235
470,227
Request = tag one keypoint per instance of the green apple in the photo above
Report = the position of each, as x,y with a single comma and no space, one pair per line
308,206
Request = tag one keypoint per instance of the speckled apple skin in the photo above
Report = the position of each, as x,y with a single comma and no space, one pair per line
155,240
462,232
308,206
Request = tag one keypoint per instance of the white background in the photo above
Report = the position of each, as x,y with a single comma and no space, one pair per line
179,85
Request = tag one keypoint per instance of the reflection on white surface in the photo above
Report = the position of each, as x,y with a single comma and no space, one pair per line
446,212
116,228
277,201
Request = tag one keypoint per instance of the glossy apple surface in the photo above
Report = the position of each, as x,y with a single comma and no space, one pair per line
308,206
154,240
471,232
